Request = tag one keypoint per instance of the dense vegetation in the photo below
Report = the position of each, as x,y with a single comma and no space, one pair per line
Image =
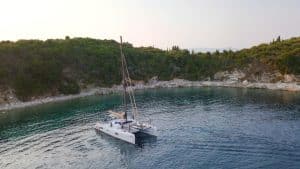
34,67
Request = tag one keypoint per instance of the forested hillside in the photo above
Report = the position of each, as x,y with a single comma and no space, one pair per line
34,67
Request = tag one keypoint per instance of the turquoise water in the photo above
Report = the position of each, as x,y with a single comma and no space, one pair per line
197,128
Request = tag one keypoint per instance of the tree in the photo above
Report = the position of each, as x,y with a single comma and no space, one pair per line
175,48
278,39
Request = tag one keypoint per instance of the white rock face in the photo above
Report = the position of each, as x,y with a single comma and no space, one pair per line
153,80
8,96
289,78
245,82
236,76
220,76
231,77
271,77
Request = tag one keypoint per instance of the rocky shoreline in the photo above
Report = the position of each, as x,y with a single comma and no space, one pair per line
154,83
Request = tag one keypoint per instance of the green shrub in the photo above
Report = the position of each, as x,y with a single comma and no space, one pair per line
34,67
69,86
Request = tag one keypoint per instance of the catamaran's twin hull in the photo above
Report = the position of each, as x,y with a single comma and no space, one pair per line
115,132
121,134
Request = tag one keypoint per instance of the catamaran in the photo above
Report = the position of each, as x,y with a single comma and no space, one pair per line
124,125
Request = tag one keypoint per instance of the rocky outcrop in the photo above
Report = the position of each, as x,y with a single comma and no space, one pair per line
262,77
7,95
288,78
234,76
265,77
153,80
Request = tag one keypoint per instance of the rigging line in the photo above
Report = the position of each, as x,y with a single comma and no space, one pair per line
134,103
129,84
129,80
125,83
123,77
132,100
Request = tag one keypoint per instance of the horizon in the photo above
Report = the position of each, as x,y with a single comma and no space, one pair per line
216,24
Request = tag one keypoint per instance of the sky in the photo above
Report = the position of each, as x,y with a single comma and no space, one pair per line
160,23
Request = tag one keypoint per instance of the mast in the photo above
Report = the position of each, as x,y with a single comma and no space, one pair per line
123,78
127,83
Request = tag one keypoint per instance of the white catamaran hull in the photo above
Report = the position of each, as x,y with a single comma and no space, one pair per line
116,132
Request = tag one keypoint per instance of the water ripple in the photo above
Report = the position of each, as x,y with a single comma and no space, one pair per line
197,128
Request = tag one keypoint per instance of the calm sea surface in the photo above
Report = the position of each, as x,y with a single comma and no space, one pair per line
197,128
